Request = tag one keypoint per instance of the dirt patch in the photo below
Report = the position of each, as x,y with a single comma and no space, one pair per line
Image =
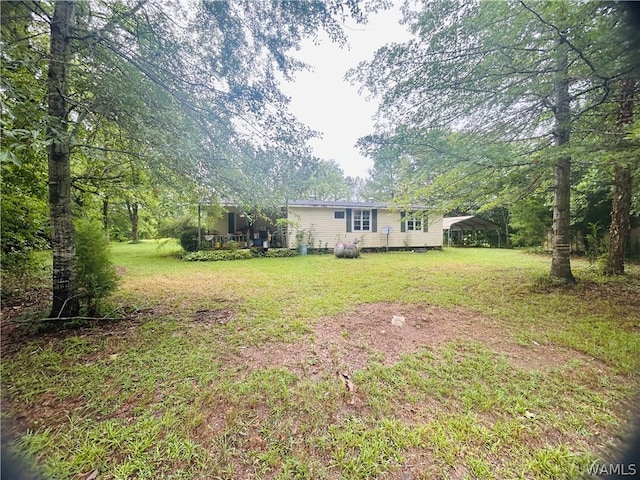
210,317
350,340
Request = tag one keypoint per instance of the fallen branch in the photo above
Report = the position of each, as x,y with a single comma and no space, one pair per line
55,319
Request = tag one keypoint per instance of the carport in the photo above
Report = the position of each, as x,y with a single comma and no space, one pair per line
469,223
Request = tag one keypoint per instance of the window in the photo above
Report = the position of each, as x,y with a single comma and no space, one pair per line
413,222
338,215
361,220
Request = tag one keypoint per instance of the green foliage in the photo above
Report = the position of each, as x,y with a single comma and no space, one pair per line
96,275
231,245
522,403
493,73
596,246
25,217
25,275
591,196
24,227
217,255
281,253
148,123
475,239
327,182
173,227
530,218
258,252
189,238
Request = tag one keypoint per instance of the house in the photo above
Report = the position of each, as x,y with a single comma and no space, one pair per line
221,225
321,224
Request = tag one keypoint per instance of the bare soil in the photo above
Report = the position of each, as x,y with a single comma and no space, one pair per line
338,345
349,340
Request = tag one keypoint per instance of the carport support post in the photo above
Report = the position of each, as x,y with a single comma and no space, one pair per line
199,229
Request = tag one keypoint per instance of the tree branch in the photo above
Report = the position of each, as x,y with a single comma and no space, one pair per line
56,319
563,37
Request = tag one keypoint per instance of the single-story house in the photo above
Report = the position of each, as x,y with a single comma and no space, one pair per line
321,224
454,228
222,224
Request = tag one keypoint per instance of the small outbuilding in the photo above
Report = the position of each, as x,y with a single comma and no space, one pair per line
455,228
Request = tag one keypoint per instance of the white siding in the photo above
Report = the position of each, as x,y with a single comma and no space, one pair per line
221,225
318,222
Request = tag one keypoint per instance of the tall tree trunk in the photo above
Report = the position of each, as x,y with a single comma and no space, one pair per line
505,221
132,208
65,295
105,216
622,187
561,260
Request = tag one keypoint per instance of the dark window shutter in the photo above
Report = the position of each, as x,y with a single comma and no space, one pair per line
232,223
348,220
403,222
425,224
374,220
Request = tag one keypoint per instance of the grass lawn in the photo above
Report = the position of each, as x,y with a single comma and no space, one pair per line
278,368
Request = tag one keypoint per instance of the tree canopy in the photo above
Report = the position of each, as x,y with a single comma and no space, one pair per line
160,90
518,85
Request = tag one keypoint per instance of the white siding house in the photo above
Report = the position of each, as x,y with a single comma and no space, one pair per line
223,223
321,224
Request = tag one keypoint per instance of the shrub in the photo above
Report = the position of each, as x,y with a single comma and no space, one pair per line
231,245
597,246
281,252
529,220
217,255
173,228
189,238
30,279
96,275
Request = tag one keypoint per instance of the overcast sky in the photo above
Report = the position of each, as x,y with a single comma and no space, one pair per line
324,101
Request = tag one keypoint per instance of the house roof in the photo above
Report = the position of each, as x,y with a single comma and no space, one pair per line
469,222
338,203
346,204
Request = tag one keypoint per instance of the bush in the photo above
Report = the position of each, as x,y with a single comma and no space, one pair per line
173,228
217,255
29,281
189,238
96,275
281,252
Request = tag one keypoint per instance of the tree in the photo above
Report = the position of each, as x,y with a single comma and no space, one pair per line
455,173
25,218
214,72
65,289
389,167
327,182
529,219
516,71
623,185
624,170
357,189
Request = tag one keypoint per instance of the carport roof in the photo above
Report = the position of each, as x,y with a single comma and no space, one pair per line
470,222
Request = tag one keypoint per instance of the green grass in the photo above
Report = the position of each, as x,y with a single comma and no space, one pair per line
161,395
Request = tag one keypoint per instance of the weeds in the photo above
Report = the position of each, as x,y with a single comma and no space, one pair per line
166,394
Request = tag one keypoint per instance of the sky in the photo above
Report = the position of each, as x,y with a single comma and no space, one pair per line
327,103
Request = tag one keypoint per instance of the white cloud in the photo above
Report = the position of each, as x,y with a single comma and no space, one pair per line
324,101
